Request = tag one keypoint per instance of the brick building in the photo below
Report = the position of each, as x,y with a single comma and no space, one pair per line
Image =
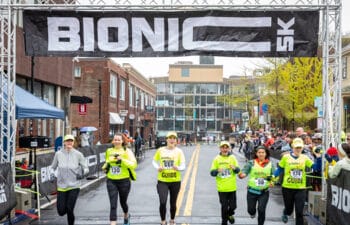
120,96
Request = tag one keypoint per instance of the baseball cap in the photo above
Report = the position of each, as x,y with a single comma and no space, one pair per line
171,133
298,143
317,136
68,137
224,143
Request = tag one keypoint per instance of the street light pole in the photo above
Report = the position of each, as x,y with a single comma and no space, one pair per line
258,100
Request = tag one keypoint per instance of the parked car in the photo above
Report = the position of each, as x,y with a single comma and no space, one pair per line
160,139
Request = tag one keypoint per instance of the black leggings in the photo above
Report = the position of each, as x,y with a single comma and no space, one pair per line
294,198
228,203
123,188
66,202
261,200
163,188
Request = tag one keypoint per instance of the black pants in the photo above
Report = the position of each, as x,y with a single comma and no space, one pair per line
66,202
294,198
163,188
253,199
228,203
115,187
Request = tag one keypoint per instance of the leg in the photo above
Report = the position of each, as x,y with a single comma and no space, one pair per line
262,203
124,190
224,207
113,199
61,203
174,191
232,203
251,202
72,197
288,199
300,197
162,189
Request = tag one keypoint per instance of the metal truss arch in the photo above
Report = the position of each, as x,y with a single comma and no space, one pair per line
330,40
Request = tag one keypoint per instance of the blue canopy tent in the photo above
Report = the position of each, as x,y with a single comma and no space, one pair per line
30,106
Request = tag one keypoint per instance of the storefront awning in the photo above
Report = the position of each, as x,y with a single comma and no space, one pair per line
114,118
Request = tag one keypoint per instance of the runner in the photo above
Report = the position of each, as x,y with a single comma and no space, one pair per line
169,161
224,168
119,166
260,171
294,180
71,168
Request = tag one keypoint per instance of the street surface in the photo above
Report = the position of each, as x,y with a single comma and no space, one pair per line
198,201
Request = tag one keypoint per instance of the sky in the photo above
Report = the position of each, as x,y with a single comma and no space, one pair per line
155,67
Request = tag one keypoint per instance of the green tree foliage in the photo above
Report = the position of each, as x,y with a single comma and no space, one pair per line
293,86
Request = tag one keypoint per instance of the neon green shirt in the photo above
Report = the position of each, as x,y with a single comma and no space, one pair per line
257,176
119,170
167,158
294,171
226,180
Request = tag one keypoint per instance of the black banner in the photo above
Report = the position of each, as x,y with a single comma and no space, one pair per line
95,157
7,191
338,199
175,33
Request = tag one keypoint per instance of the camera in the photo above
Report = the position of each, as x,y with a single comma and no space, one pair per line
116,156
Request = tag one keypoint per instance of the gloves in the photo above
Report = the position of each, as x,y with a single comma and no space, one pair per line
106,167
270,178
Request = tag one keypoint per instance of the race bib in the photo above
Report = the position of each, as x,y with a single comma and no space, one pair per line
260,182
115,170
168,164
225,173
297,174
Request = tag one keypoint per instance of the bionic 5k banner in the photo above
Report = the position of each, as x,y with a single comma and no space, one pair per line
151,33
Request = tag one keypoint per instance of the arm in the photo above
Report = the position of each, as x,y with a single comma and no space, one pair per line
334,170
130,161
54,163
246,169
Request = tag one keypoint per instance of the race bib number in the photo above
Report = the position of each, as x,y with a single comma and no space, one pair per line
168,164
260,182
225,173
115,170
297,174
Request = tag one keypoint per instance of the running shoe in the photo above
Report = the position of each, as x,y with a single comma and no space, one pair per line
252,216
231,219
284,218
127,220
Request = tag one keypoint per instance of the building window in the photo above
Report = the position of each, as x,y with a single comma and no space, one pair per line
344,68
113,86
77,71
185,72
131,95
122,90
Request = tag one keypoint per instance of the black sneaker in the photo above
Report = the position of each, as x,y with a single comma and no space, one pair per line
284,218
231,219
127,220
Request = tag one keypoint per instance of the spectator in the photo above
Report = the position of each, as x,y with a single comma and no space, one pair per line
138,143
84,139
341,164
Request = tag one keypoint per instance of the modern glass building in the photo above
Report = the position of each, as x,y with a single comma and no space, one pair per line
187,100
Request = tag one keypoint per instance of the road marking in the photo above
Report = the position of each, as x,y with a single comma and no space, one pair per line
190,194
184,182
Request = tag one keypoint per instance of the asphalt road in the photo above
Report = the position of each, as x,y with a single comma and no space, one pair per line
198,201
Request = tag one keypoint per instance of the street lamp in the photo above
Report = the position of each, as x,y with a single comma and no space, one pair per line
258,100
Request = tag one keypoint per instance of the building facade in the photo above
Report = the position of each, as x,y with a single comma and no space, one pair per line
121,99
187,100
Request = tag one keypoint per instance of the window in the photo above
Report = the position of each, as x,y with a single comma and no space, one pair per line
185,72
122,90
113,86
344,68
131,95
77,71
49,94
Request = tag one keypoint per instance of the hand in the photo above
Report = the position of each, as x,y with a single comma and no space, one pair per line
241,175
160,169
175,168
270,178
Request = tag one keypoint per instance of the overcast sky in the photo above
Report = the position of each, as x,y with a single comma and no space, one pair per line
154,67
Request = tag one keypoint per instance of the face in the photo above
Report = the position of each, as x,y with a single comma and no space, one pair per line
297,150
171,141
261,154
117,140
299,131
224,149
348,139
68,144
